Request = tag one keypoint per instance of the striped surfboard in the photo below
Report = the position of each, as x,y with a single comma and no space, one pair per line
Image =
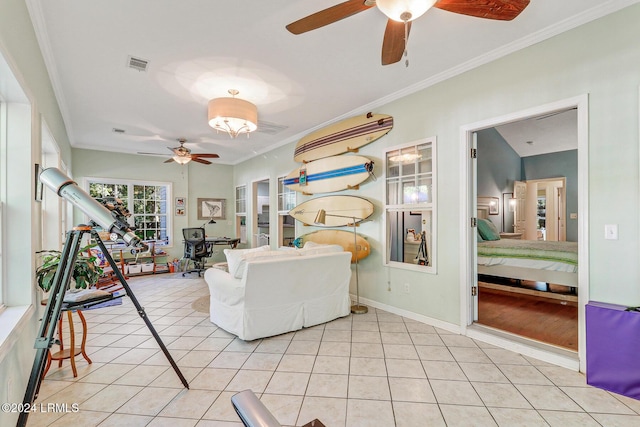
330,174
342,137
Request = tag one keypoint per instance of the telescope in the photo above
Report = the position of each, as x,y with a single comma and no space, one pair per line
109,220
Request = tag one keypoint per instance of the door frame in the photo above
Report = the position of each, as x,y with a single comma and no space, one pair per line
468,243
253,209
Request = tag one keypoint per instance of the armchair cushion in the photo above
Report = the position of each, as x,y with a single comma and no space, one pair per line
239,273
234,256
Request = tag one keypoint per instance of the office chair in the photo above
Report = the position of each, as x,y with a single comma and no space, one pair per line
196,249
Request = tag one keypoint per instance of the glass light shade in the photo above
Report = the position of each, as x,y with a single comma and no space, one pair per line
183,160
405,157
398,9
233,115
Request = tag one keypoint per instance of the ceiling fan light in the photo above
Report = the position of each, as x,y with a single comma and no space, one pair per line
183,160
404,10
232,115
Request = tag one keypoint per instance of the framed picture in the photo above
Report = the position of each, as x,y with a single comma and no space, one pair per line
39,188
211,208
181,202
492,203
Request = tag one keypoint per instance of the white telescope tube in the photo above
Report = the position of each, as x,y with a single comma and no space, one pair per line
65,187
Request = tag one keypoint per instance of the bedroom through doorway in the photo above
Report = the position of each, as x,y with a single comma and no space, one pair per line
525,185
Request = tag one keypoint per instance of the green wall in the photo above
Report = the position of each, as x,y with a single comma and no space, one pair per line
192,180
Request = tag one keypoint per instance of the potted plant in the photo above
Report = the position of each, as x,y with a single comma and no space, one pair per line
85,271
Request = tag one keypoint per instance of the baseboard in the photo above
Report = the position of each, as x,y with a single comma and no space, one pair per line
544,352
411,315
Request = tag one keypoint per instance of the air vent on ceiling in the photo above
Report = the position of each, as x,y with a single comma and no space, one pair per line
269,128
116,130
137,63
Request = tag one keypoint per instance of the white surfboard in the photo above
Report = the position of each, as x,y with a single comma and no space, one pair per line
330,174
345,239
340,210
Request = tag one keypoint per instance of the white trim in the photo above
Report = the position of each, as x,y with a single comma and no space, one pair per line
13,320
235,200
431,206
467,263
42,35
252,211
451,327
527,348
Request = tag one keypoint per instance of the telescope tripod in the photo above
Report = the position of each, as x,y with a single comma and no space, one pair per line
61,280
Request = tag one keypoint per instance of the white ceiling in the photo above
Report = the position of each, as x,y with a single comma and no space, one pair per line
548,133
198,49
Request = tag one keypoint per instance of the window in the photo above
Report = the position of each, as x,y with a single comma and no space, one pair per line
148,203
410,205
241,213
286,223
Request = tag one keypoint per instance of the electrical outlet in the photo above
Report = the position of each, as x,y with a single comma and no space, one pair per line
407,288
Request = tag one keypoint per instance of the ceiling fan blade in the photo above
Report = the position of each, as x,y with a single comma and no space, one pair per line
503,10
153,154
393,43
204,162
169,160
207,155
328,16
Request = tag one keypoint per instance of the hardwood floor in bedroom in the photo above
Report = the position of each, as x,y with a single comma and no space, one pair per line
549,317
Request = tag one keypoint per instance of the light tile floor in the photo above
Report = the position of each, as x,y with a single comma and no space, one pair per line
376,369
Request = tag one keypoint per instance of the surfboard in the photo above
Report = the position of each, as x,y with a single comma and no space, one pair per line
345,209
330,174
337,237
342,137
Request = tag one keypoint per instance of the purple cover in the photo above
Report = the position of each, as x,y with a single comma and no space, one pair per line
613,348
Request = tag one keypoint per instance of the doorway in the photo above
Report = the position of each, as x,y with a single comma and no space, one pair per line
470,309
260,213
541,212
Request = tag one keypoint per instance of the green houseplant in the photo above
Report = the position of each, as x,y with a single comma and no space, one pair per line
85,271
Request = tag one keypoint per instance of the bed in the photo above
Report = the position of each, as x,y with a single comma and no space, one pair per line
536,260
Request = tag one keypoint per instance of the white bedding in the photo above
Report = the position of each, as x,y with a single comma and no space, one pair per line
528,263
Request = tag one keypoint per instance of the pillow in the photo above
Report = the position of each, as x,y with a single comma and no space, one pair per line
259,255
480,239
487,230
234,256
80,295
316,249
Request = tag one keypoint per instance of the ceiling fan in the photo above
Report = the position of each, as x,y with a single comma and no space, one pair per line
183,155
402,12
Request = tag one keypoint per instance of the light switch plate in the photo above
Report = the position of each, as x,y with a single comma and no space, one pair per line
611,231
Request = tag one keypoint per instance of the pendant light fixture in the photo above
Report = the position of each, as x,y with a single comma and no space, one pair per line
232,115
404,10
